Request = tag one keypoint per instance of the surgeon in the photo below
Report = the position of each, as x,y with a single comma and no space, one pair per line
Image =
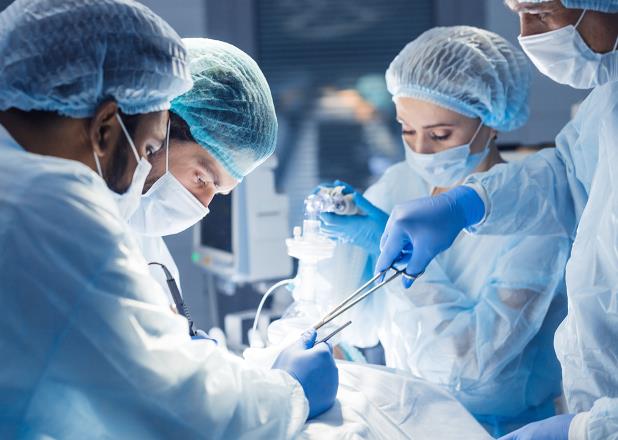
480,321
221,130
94,350
569,189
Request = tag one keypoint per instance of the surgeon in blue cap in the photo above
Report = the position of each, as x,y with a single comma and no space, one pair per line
570,189
92,347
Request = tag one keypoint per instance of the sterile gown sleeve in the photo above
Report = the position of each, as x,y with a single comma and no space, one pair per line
547,192
586,342
481,320
92,347
600,423
488,339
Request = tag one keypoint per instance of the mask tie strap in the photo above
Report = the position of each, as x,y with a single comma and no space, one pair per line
581,17
128,136
615,45
167,147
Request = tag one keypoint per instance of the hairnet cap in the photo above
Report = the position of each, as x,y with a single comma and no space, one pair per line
467,70
595,5
68,56
229,110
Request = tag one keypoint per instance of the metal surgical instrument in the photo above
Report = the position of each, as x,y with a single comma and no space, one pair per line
359,294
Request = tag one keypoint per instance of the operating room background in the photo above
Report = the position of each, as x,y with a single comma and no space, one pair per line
325,63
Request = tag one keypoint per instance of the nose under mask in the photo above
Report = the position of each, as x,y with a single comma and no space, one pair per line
446,168
564,56
167,207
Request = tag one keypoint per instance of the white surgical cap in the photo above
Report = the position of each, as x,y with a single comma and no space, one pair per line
468,70
68,56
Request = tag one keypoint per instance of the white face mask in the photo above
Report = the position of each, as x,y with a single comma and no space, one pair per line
448,167
564,56
129,200
167,207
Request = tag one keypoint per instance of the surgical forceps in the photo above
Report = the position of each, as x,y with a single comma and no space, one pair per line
359,294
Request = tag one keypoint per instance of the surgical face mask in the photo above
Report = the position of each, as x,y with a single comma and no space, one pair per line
448,167
564,56
167,207
129,200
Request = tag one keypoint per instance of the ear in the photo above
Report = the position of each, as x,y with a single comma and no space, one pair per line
104,129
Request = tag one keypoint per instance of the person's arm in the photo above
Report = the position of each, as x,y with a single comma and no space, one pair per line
115,358
600,423
459,339
531,197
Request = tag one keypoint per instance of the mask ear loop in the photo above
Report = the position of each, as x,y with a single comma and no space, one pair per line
96,160
615,45
167,147
128,136
478,129
581,17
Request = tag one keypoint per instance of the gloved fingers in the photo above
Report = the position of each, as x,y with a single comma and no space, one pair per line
307,339
390,249
335,220
323,185
347,188
414,268
365,205
323,347
330,347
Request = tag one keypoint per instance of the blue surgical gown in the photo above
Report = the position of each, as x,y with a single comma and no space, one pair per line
574,188
480,321
90,347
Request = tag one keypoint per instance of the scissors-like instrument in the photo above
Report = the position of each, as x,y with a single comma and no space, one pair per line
360,294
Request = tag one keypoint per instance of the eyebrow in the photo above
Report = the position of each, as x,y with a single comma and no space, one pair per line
439,124
425,127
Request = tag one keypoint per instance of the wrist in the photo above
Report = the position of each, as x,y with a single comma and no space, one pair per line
468,203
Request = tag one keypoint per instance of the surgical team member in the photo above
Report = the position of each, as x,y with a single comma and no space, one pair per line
92,348
571,189
221,130
480,321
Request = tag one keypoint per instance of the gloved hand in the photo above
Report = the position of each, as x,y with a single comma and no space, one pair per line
419,230
363,230
314,368
554,428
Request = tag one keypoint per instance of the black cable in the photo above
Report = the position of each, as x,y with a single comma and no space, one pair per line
173,288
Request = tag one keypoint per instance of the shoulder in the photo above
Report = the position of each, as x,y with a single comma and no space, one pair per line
67,210
398,184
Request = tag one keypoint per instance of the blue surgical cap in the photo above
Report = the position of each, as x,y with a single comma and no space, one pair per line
229,110
68,56
468,70
595,5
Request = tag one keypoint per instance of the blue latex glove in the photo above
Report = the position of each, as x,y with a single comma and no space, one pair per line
363,230
314,368
419,230
554,428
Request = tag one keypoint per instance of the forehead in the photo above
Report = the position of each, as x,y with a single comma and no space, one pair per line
153,124
416,111
534,7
